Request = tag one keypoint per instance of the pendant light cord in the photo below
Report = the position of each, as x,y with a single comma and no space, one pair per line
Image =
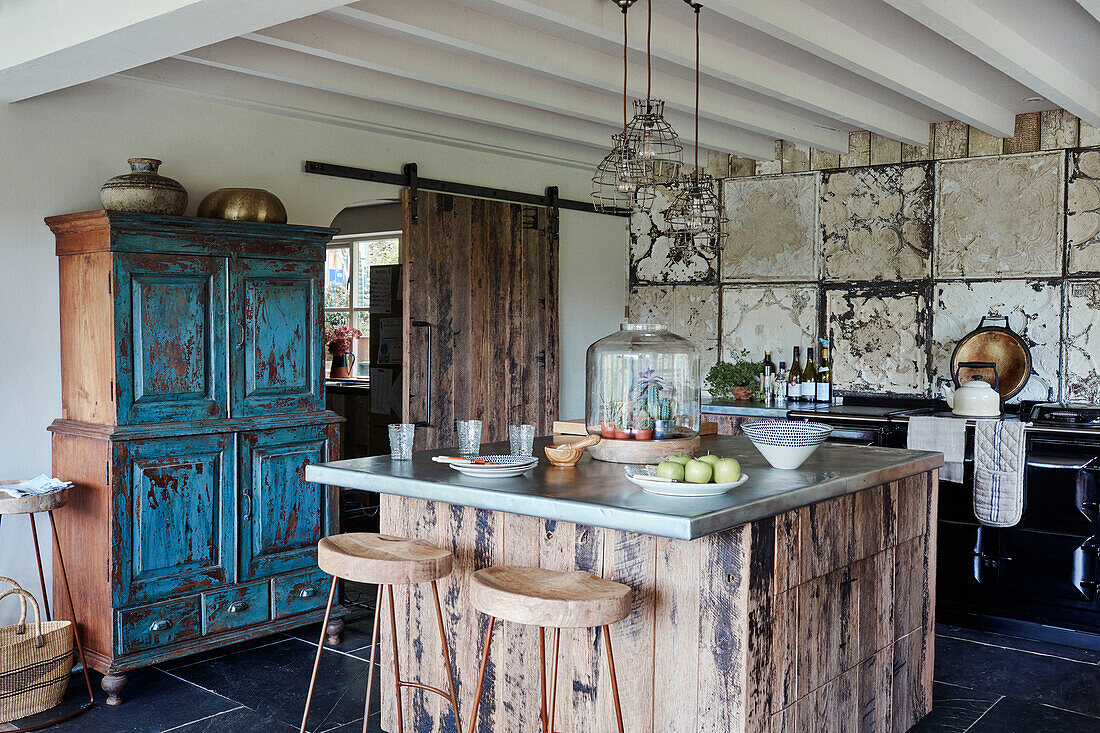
625,8
649,54
697,8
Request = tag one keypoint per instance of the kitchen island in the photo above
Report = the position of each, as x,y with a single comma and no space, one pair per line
801,599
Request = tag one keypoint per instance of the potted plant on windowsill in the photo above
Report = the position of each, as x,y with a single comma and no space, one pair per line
737,380
338,339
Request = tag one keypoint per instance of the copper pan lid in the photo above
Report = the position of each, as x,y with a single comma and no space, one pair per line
1000,345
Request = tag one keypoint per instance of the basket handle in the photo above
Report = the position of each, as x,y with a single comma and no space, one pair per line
24,598
22,626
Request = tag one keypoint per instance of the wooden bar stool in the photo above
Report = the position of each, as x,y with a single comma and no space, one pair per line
384,561
546,598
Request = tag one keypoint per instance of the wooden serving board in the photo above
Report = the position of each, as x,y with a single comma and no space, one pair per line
642,451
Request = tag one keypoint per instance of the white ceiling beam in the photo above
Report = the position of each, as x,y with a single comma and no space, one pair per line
256,59
1092,6
46,46
220,86
1008,48
721,60
393,55
464,32
839,41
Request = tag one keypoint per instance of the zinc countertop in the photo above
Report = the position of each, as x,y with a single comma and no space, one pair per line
598,493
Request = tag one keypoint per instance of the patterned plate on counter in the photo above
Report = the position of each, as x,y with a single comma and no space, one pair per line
506,466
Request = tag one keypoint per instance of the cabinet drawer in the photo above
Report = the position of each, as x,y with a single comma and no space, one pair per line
233,608
298,593
159,624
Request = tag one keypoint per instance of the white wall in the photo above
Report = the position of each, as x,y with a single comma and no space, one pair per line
56,150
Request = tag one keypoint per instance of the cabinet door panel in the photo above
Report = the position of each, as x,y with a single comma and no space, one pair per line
283,516
171,316
173,523
277,307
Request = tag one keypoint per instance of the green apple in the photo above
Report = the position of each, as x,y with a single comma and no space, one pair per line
681,459
698,472
726,471
670,469
710,458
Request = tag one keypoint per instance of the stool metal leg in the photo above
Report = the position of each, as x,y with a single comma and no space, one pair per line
446,656
373,648
554,679
614,682
396,665
481,675
41,575
317,658
542,679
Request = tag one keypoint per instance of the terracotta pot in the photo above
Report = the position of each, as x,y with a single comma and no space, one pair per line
342,365
144,191
622,434
607,429
742,393
643,434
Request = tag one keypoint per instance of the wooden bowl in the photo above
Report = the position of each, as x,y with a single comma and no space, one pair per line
567,454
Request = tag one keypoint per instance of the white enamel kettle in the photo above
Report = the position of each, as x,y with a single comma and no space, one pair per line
976,398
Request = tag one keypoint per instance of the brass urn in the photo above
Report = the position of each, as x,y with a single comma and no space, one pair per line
243,204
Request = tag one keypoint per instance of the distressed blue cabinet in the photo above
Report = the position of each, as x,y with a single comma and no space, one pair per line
193,400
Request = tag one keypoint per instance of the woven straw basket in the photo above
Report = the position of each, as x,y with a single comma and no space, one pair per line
35,660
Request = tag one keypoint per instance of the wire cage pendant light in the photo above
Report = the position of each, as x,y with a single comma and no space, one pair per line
649,133
696,212
618,182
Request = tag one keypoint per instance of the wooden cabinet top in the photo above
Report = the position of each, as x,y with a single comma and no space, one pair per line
119,231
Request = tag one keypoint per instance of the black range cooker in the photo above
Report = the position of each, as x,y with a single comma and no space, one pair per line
1038,579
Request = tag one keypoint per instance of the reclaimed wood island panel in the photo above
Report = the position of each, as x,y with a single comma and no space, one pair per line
817,616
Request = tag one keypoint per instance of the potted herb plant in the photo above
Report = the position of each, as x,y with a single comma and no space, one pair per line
737,380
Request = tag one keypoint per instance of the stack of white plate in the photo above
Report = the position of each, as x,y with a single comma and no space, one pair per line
496,466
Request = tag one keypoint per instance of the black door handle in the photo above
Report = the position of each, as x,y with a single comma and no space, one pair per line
427,421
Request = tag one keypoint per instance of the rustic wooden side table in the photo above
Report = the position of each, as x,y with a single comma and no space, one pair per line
31,505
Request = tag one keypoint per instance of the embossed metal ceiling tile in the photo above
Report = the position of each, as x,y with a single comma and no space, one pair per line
658,257
772,228
999,217
774,317
876,223
1081,357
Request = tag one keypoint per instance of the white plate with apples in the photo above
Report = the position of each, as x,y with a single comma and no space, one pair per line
708,475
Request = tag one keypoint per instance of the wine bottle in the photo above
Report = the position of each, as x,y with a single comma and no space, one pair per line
825,374
769,377
794,379
809,377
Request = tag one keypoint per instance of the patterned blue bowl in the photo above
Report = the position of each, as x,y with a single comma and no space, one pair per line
787,433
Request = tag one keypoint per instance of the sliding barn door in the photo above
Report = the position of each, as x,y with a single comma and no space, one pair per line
481,316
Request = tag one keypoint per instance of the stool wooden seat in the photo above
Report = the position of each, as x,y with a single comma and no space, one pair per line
546,598
385,561
382,560
539,597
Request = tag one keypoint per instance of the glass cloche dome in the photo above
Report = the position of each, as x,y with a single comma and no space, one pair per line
643,384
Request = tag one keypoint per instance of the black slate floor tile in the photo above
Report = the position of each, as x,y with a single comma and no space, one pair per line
357,636
237,720
153,701
954,708
275,679
1018,716
223,651
1013,642
1037,678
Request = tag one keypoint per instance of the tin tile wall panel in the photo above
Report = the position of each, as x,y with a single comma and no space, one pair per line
657,257
690,311
1082,341
1083,212
1033,308
772,317
876,223
771,228
999,217
881,340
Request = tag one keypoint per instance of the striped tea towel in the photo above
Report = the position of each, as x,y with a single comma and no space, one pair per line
999,472
946,435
